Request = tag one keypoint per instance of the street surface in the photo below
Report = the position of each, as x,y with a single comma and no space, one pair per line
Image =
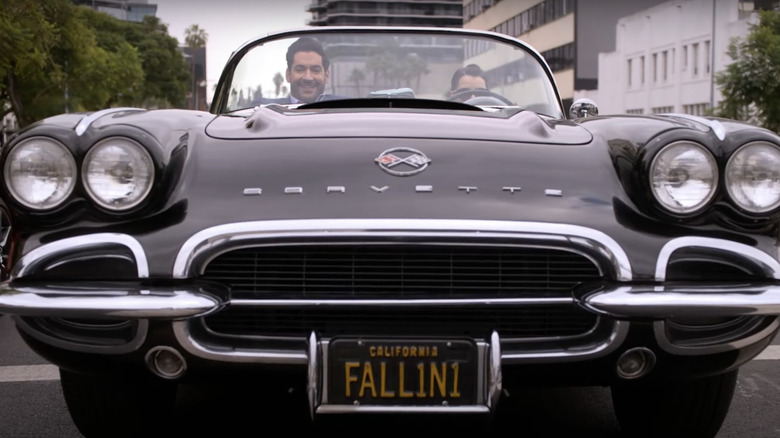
31,405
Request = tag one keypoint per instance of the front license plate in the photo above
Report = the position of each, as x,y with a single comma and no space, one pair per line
402,372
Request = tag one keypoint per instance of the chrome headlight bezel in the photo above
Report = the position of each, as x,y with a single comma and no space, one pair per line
135,162
62,166
664,173
735,167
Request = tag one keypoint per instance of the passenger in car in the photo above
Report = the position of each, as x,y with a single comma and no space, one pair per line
470,77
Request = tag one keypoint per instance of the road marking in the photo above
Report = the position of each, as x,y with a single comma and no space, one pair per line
35,373
772,352
29,373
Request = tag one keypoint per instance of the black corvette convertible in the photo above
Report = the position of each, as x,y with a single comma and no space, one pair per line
393,239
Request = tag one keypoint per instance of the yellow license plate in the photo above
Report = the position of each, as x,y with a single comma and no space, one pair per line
402,372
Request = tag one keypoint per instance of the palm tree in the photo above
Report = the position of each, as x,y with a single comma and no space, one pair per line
195,38
416,67
278,81
356,76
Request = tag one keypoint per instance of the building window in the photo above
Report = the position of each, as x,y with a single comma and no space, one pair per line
655,68
684,58
629,73
635,111
662,110
642,70
697,109
707,60
695,55
664,65
533,17
560,58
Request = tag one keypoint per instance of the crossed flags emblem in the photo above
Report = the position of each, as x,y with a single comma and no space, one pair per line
414,160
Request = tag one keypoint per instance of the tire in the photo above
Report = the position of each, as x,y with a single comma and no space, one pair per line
689,408
119,406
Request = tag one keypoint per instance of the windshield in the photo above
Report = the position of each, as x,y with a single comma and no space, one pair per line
476,69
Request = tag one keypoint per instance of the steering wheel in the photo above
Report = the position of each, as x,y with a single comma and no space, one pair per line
480,96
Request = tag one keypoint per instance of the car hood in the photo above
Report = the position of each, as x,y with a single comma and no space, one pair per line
298,165
513,125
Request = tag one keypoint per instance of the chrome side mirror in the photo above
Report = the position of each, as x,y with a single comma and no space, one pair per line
583,108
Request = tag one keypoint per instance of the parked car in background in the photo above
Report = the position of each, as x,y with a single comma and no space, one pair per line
390,244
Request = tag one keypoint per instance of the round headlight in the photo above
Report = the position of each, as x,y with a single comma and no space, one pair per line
684,177
118,173
40,173
753,177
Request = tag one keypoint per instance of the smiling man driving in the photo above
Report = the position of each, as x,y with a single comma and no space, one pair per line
307,70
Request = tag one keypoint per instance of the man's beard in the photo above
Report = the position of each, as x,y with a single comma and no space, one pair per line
318,87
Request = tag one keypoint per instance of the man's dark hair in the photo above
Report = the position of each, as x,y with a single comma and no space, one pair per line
471,70
306,44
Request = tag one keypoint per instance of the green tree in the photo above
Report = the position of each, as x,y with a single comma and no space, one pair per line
62,68
56,57
278,81
749,85
166,73
26,41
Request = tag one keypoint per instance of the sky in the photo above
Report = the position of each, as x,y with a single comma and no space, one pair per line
229,24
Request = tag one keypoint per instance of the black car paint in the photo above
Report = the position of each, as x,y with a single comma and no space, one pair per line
208,147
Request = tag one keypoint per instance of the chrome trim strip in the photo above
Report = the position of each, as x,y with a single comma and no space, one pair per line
599,349
574,236
227,353
83,303
133,345
232,353
495,378
85,122
355,409
325,374
659,302
668,346
770,264
401,303
32,260
313,378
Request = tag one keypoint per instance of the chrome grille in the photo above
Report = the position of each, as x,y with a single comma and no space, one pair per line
399,271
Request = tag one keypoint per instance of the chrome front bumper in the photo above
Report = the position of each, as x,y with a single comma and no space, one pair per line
622,302
621,298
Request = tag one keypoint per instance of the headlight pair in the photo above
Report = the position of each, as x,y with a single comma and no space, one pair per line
684,177
117,173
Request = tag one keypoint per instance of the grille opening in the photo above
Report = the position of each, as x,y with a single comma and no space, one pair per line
399,271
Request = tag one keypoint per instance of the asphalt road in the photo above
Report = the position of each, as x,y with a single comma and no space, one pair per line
31,405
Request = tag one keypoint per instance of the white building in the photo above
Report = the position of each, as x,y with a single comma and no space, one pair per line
568,33
666,55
